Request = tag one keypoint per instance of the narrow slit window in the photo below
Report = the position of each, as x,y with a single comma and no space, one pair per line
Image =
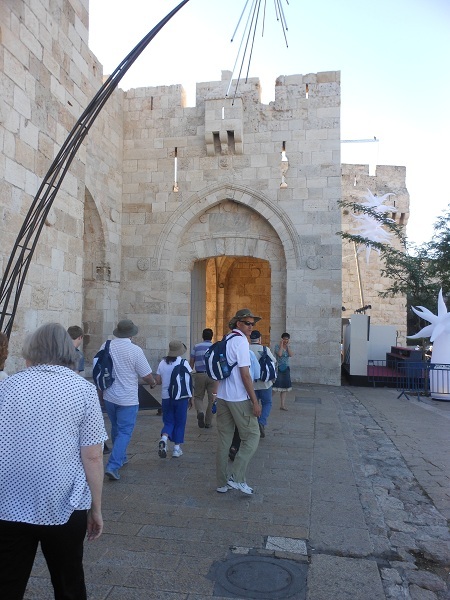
306,91
217,146
231,146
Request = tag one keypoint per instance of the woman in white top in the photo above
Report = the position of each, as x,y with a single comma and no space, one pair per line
174,412
51,470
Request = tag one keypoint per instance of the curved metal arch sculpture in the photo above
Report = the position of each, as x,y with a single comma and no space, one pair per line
22,253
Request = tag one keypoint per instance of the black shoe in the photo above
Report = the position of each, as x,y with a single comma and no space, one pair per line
262,433
201,420
232,453
162,449
106,449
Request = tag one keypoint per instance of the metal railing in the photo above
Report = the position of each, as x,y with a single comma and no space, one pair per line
419,378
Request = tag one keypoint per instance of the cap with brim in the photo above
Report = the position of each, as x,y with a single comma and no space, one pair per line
255,335
125,329
176,348
243,314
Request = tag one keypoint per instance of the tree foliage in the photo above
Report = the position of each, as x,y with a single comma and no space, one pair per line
417,272
438,250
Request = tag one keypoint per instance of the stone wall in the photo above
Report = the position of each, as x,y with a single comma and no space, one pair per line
209,181
362,290
47,78
241,194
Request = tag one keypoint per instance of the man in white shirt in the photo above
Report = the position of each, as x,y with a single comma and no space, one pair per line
121,399
237,406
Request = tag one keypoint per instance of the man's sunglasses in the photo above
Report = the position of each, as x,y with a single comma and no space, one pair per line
248,323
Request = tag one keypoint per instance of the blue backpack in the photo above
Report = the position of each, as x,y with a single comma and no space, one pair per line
255,369
216,363
267,366
103,366
180,385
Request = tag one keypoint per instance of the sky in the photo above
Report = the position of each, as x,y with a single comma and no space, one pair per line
394,58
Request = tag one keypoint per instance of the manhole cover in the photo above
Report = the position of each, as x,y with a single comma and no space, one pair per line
260,577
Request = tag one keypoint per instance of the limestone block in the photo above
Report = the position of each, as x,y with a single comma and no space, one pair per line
329,76
316,134
22,102
14,69
29,133
323,157
24,155
331,112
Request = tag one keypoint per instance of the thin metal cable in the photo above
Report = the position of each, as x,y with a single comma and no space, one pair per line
252,26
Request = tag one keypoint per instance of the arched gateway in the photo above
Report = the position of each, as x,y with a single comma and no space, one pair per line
225,248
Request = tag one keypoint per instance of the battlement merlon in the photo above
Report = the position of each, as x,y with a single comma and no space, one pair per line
322,88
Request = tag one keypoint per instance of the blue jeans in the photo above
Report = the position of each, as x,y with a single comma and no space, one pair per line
174,416
123,419
265,397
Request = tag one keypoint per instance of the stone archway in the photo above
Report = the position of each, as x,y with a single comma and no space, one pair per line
194,208
242,255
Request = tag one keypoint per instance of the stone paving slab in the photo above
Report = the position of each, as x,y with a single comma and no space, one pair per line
336,578
357,476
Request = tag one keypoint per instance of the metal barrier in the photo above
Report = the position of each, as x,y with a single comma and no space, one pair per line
420,378
439,381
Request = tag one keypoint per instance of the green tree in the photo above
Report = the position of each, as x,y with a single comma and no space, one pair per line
438,250
407,267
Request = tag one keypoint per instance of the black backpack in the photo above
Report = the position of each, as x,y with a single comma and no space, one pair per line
216,363
180,385
268,369
103,366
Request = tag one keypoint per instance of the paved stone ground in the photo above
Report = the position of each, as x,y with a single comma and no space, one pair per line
352,488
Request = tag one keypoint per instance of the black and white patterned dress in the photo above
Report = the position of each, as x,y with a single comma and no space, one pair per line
47,413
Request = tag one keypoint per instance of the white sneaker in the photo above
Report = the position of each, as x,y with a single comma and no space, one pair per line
242,487
177,452
223,489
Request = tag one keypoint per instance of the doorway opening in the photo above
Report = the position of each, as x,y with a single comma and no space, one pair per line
222,285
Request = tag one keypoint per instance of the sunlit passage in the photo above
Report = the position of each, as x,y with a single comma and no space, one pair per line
222,285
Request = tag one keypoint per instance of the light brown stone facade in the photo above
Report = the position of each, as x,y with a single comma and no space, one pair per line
361,278
172,216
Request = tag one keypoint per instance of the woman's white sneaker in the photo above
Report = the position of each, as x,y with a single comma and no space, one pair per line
177,452
242,487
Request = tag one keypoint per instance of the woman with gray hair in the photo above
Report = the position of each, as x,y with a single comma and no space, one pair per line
51,470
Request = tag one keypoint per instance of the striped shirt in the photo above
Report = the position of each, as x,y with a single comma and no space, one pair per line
198,354
129,363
